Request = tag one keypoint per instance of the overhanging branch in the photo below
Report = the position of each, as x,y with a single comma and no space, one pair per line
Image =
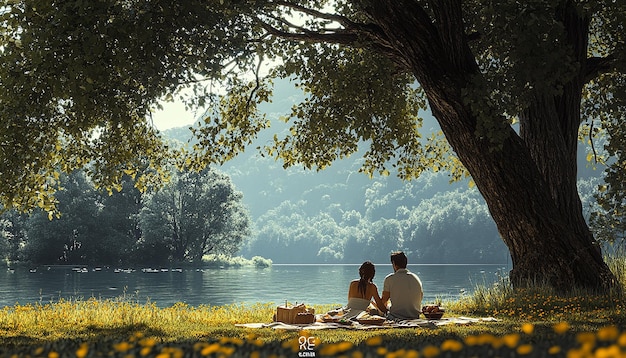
599,65
344,21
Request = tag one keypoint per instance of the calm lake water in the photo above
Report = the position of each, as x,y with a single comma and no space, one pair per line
311,284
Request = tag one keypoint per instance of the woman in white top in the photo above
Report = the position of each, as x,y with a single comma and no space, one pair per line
361,291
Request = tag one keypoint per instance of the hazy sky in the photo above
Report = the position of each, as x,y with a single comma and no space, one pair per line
173,115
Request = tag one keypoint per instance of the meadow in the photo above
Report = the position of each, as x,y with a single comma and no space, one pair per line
531,322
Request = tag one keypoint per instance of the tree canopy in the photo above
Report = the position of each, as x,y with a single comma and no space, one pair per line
510,83
195,215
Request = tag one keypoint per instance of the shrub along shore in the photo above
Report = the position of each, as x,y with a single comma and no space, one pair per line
531,322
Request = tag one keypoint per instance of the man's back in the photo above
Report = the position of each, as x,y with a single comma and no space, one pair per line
406,294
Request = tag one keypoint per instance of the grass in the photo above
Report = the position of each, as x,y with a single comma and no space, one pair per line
532,322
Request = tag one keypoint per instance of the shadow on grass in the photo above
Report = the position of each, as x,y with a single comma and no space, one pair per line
91,335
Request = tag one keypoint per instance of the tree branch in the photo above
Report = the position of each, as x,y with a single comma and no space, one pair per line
350,32
599,65
344,21
311,36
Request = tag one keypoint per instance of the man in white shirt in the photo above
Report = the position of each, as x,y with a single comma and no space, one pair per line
404,289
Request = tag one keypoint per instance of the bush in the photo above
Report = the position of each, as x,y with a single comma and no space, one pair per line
214,261
261,262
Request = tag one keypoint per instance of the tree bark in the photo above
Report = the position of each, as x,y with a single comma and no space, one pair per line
529,184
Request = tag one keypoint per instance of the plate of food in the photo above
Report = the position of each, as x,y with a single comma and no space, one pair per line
333,315
369,319
329,318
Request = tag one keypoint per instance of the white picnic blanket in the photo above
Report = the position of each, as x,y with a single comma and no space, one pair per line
424,323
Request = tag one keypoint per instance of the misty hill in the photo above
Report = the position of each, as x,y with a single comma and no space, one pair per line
341,215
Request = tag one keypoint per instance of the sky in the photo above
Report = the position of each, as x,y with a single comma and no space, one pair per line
173,115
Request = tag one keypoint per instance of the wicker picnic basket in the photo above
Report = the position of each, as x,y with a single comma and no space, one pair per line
298,314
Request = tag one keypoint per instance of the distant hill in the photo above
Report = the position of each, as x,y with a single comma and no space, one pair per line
341,189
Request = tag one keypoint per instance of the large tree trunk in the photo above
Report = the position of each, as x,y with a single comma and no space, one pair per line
529,184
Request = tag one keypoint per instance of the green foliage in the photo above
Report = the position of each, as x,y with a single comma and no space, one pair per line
79,80
221,261
93,228
75,236
352,96
12,235
431,226
610,221
196,214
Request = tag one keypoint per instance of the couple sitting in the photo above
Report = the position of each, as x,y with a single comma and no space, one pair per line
403,288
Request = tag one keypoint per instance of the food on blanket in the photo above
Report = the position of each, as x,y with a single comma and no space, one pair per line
336,312
433,311
328,317
367,318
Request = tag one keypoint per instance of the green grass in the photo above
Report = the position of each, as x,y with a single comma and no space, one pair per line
532,322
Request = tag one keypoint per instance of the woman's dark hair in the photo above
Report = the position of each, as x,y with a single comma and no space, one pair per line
367,271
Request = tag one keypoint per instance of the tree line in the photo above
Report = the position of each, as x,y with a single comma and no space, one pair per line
199,213
193,215
451,227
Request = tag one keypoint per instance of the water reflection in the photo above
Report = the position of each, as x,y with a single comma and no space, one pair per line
312,284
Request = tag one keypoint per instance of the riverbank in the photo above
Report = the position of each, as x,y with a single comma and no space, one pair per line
530,323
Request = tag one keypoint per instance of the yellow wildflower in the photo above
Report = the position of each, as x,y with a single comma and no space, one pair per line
122,346
411,354
145,351
293,343
344,346
82,351
561,327
430,351
524,349
147,342
586,338
511,340
528,328
471,340
333,349
397,354
608,333
210,349
225,351
451,345
554,350
357,354
485,338
374,341
608,352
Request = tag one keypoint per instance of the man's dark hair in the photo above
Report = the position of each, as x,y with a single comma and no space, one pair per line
399,258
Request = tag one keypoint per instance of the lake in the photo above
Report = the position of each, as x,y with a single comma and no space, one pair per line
311,284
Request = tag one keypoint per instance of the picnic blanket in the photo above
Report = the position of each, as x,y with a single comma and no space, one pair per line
423,323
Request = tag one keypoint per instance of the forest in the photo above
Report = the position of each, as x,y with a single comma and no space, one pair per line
292,215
